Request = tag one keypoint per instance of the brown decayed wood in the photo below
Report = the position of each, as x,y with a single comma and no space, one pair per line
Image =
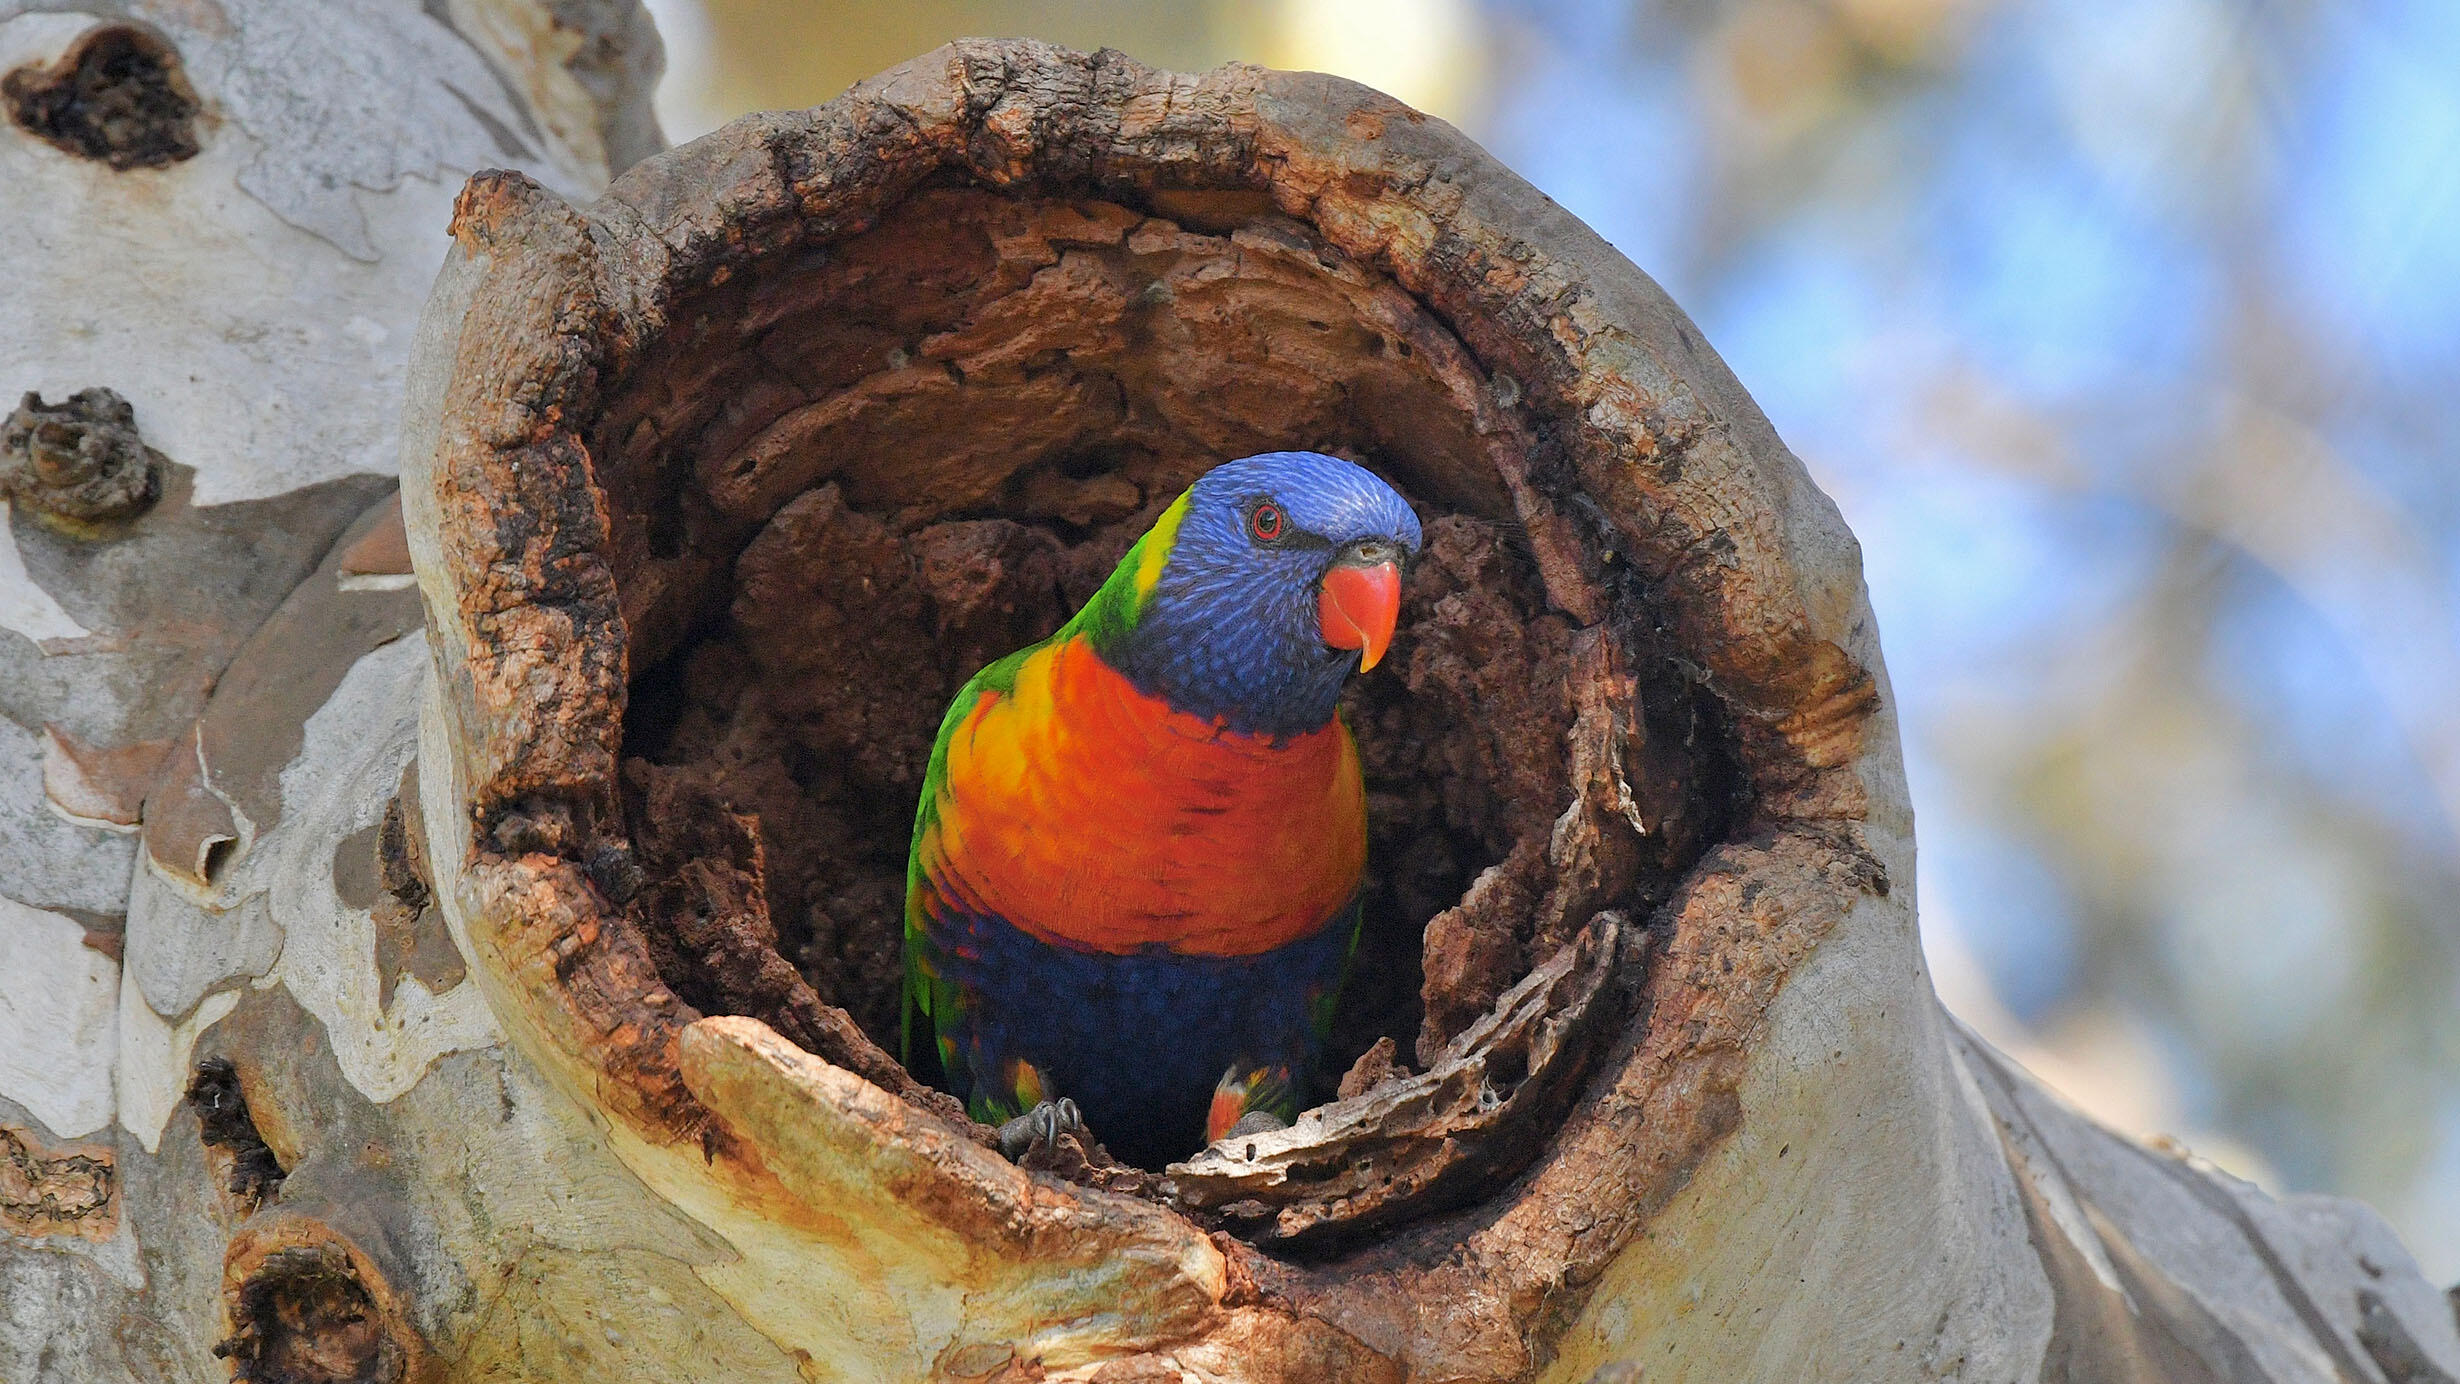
1407,1144
71,1189
247,1173
80,464
919,362
1196,347
306,1305
118,96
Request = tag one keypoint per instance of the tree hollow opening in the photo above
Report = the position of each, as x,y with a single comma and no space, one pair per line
843,476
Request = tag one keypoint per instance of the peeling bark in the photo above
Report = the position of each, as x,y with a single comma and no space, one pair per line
511,1002
68,1191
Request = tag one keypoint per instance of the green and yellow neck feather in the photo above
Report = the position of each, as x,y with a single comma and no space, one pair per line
1115,609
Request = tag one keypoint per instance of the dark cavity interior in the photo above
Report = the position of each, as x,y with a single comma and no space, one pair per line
117,96
848,476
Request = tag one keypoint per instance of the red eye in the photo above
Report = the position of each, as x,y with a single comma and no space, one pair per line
1265,522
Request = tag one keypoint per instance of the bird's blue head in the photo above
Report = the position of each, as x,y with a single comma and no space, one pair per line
1260,591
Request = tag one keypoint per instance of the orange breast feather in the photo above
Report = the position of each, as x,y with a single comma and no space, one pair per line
1090,815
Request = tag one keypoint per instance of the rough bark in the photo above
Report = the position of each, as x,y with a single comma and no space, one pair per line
512,1002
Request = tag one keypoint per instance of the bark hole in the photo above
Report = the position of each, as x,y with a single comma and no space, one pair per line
249,1173
304,1317
118,97
841,481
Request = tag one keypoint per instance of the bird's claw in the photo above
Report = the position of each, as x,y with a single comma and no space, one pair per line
1040,1127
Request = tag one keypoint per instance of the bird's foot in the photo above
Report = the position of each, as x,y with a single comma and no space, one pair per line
1040,1127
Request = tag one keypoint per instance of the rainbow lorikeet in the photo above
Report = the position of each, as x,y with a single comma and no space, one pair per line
1136,862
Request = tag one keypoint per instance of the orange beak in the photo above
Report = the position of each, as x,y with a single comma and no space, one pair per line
1359,606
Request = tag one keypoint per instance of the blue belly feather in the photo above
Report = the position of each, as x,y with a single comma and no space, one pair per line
1137,1040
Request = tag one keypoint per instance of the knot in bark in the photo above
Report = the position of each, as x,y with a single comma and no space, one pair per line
79,462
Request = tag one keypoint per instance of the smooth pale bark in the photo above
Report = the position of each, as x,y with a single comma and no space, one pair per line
497,1160
255,304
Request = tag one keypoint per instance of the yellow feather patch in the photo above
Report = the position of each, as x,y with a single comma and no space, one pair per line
1154,548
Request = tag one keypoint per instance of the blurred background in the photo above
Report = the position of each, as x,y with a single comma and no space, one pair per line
2127,335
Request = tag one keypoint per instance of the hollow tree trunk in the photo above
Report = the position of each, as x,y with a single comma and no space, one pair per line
513,1002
